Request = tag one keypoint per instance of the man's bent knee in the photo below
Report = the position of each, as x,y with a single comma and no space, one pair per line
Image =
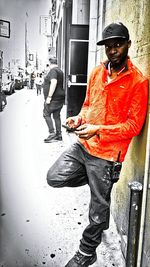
53,180
50,179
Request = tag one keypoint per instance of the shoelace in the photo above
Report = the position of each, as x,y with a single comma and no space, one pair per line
78,256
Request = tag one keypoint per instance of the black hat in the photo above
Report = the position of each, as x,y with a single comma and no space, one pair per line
114,30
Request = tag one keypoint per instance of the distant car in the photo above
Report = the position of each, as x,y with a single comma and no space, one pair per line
8,85
3,101
26,80
8,88
19,83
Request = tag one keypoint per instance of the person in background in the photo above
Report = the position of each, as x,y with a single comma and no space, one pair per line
47,68
32,78
38,83
54,96
113,113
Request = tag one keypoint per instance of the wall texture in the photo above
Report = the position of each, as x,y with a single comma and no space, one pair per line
136,16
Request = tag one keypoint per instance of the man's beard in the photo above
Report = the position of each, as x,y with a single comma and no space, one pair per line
117,65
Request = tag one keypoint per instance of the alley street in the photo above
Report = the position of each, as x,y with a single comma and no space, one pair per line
39,225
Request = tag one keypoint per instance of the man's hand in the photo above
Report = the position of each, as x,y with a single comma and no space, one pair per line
86,131
48,100
74,122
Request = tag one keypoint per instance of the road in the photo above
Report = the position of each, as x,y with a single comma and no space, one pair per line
40,225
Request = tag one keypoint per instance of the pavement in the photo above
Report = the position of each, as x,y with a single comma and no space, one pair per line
39,225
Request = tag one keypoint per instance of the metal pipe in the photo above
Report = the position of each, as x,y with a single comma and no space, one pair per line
93,28
144,199
134,223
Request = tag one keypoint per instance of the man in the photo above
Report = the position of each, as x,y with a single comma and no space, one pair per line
38,83
54,95
112,114
32,78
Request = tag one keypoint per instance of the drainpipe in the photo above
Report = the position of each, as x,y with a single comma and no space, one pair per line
144,199
101,3
62,37
93,28
134,222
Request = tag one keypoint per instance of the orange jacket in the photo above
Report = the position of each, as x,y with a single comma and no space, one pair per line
119,107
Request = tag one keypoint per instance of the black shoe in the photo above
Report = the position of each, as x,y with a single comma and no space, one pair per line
55,138
80,260
51,136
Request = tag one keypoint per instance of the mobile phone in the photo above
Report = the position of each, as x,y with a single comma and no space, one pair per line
69,129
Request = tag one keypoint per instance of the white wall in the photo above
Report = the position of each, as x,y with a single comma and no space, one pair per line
80,14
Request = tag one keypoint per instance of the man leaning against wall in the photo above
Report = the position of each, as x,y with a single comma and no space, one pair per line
113,113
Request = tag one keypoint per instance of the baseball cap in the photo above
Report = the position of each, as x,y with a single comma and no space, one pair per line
114,30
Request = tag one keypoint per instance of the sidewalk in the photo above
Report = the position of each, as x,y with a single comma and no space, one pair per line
40,225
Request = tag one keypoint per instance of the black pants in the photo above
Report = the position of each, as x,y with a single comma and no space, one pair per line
53,109
38,89
75,167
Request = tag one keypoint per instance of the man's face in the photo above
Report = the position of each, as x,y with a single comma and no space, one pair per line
117,50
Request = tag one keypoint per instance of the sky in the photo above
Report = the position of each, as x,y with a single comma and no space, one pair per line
19,12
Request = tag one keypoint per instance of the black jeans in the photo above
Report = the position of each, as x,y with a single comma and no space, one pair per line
75,167
38,89
54,108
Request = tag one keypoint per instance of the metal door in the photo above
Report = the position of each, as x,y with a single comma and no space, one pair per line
77,78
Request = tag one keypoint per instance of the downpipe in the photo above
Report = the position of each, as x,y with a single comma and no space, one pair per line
144,198
134,223
137,213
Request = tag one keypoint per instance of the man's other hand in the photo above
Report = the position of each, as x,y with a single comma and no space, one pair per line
86,131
